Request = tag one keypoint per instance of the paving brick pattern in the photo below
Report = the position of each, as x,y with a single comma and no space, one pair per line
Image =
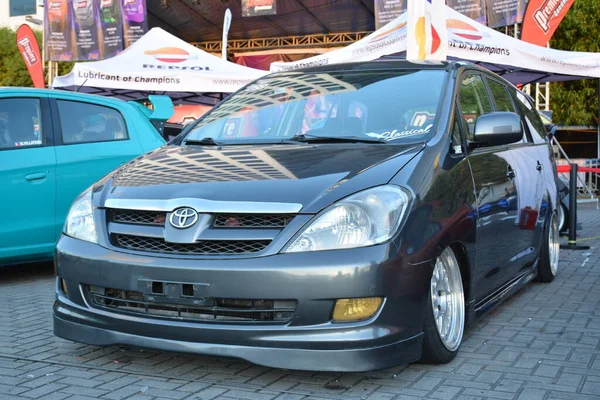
543,343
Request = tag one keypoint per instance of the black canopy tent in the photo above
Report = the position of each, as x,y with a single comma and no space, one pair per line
201,20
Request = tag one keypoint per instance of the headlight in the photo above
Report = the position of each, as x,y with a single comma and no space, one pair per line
80,221
363,219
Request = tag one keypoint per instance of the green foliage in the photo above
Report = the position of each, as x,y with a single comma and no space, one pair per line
576,102
13,71
64,67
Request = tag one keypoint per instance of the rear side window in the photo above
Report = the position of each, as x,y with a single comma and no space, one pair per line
532,117
20,123
501,97
90,123
474,101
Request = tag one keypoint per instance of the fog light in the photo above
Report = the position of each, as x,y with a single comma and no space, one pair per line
356,309
63,286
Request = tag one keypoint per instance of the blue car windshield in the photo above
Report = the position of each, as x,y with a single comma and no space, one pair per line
392,106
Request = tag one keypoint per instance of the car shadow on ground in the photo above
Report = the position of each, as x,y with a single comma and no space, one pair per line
27,271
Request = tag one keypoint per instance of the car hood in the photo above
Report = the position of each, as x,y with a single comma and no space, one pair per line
311,175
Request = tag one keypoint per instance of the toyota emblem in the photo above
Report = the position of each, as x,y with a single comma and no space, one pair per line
183,217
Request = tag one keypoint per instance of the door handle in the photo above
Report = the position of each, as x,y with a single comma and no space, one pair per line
539,166
510,173
36,176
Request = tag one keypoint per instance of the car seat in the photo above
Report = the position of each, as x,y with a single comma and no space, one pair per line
21,128
5,140
112,131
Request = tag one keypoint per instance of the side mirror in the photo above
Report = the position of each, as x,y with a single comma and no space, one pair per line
498,128
551,131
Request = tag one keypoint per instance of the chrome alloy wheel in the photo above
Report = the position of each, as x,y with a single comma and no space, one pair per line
448,300
554,244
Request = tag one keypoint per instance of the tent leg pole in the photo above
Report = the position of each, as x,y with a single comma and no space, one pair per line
598,144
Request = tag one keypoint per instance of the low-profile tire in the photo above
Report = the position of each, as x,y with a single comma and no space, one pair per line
550,251
563,217
444,312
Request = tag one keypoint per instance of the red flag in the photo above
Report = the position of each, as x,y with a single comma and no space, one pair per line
542,18
30,50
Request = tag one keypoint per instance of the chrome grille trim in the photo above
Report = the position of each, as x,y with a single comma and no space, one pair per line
204,206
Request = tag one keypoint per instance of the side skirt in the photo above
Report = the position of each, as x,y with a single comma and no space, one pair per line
489,303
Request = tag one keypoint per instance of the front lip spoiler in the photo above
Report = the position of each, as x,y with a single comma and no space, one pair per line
339,360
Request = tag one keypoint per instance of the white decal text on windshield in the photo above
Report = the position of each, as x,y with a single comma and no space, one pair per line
395,134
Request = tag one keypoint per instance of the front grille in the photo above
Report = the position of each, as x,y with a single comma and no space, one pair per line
252,221
209,310
138,217
158,218
158,245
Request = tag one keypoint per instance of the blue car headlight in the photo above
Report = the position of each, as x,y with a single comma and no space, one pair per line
80,220
366,218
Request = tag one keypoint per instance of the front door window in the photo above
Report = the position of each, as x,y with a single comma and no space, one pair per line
474,102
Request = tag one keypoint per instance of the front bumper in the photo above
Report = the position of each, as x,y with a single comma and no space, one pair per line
309,341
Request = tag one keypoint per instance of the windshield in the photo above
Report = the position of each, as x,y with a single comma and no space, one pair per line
392,106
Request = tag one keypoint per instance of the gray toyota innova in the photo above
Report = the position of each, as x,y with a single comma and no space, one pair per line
344,218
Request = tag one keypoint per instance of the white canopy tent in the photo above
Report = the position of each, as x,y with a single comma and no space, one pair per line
517,61
159,63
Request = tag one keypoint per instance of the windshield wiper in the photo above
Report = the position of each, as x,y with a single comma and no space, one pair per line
354,139
207,141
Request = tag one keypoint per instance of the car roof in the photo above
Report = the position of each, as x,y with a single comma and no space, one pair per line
385,63
58,93
389,63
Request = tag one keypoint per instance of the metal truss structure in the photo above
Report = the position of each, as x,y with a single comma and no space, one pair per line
297,42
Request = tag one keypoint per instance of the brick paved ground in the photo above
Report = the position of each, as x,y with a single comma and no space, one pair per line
544,343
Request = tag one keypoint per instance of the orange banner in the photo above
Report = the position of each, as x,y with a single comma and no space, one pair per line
30,50
542,18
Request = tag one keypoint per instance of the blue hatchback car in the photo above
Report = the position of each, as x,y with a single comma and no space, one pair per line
55,144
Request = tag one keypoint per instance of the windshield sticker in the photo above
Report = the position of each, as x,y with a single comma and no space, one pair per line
395,134
421,118
28,143
231,127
